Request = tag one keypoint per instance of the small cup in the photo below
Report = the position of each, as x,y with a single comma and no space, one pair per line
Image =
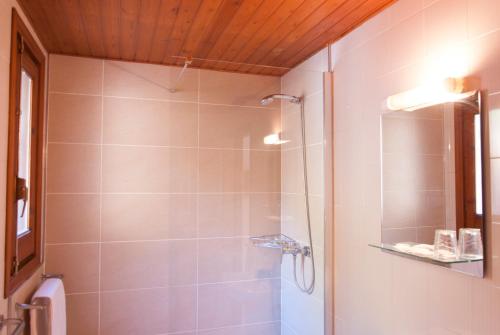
470,244
445,245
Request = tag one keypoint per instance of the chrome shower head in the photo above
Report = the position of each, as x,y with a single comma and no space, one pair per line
270,98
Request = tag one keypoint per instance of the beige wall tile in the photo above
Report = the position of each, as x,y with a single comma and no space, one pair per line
399,172
74,118
445,24
291,132
446,298
81,276
426,234
132,265
227,304
399,209
426,299
148,122
429,136
313,115
165,310
239,171
149,169
236,89
315,173
495,254
398,134
481,16
264,329
430,209
305,80
225,215
72,218
294,221
395,235
485,61
232,259
238,127
75,75
292,173
148,257
148,217
302,82
73,168
301,312
137,80
408,37
410,305
82,314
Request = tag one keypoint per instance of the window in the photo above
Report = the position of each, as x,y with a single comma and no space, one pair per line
25,157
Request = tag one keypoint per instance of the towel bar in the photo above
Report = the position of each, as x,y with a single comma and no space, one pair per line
18,322
52,275
26,307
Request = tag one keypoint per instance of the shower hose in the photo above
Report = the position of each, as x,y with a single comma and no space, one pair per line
304,286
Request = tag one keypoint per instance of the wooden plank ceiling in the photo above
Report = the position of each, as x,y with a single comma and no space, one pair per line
249,36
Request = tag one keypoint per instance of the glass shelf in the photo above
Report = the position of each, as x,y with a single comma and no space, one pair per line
278,241
390,248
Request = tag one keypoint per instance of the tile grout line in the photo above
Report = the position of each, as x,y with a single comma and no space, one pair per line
156,240
283,117
197,317
165,193
164,146
197,101
227,282
225,327
99,300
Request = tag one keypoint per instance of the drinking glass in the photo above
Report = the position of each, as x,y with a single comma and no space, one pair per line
470,245
445,245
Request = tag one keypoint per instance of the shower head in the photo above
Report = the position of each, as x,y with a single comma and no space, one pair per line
270,98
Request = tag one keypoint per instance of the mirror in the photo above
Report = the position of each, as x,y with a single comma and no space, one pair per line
432,184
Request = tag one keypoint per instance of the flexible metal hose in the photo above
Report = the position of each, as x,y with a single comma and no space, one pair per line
309,289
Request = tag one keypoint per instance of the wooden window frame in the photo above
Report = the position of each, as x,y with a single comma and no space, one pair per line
23,253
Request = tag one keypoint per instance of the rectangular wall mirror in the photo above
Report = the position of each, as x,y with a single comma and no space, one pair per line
432,184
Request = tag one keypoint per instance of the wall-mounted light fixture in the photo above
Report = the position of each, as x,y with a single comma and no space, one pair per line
274,139
447,90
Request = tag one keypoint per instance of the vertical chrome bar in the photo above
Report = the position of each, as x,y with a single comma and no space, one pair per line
328,83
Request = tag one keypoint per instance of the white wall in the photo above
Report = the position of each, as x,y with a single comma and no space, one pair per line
410,42
5,30
303,314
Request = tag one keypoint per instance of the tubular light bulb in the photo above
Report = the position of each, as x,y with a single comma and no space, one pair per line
448,90
273,139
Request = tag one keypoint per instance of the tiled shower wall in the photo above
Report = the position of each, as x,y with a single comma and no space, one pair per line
303,314
397,50
152,196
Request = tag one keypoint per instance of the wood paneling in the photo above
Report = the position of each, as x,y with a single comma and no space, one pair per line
249,36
